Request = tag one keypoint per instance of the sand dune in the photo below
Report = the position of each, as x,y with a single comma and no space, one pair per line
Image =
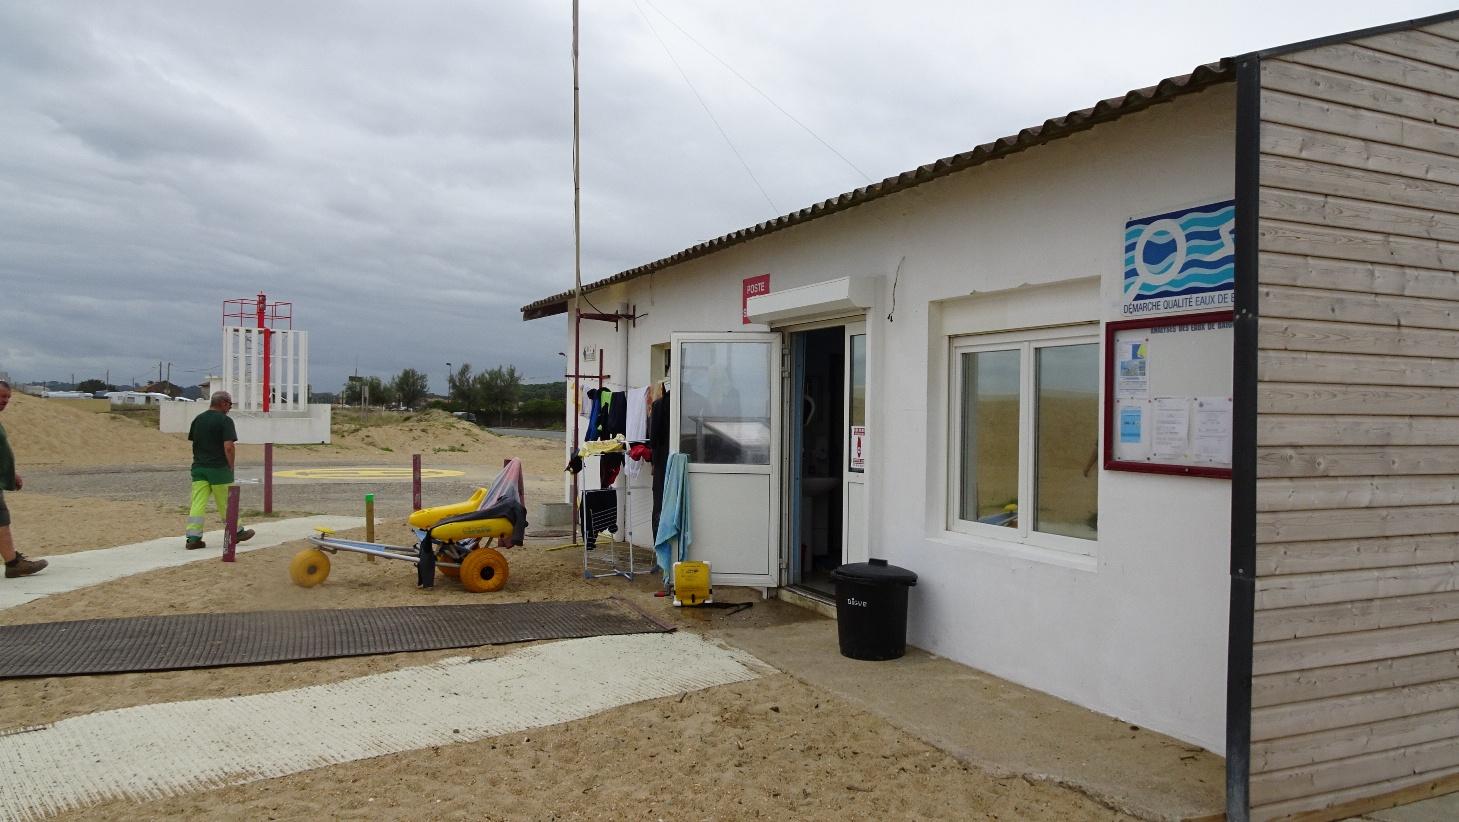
47,433
53,434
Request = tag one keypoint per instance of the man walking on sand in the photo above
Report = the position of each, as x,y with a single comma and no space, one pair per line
16,565
212,435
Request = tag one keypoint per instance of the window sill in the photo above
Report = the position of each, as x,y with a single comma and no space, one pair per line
1018,550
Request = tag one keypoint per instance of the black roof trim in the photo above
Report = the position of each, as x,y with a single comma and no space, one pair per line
1333,39
1103,111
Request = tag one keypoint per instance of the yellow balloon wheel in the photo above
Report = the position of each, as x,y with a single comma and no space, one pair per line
309,567
447,572
484,570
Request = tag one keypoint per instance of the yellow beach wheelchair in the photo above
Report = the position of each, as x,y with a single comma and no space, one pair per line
450,538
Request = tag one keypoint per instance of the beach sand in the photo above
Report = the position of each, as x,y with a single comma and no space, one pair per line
774,747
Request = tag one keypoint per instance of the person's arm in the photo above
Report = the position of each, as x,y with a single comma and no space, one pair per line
18,482
228,449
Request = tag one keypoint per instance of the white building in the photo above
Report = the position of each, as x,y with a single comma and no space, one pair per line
1157,398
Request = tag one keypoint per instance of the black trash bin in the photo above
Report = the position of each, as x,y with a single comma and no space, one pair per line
871,609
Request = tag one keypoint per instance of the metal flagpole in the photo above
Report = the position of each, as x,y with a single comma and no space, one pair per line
577,264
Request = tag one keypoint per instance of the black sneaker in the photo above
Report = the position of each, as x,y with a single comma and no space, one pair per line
22,567
194,543
243,535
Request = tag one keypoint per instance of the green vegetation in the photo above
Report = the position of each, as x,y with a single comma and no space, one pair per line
148,416
496,396
93,385
410,387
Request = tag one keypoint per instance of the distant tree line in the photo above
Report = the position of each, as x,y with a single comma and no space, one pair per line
93,386
495,396
407,389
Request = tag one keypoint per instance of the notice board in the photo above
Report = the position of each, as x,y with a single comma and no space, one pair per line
1168,395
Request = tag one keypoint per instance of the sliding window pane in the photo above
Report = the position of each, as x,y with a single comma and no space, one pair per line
988,468
1066,473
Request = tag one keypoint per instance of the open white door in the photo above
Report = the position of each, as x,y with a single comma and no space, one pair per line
857,447
724,403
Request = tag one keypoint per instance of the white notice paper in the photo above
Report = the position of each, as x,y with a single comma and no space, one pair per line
1133,380
858,448
1213,429
1171,425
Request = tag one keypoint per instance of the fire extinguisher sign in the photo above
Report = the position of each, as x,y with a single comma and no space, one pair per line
858,448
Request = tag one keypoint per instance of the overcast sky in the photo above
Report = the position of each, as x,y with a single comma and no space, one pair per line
401,172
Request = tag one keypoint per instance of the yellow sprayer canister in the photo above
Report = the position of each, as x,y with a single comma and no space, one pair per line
691,583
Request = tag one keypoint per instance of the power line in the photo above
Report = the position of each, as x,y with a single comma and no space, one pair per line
775,210
757,90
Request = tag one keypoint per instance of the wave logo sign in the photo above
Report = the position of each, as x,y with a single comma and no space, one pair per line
1181,261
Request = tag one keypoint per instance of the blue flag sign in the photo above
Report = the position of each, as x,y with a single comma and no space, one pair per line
1181,261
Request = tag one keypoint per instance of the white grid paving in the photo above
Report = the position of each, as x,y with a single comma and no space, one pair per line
153,751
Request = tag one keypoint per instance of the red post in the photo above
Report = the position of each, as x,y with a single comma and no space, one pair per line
415,482
268,478
230,525
264,332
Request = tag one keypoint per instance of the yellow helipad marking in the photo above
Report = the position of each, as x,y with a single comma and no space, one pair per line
365,473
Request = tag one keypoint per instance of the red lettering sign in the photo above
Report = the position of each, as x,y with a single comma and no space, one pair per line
753,287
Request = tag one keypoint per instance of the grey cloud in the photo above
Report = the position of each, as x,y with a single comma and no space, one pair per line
400,172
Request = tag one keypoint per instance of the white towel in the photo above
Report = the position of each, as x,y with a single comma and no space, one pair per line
637,425
637,415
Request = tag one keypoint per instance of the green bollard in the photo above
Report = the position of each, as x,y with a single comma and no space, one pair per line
370,522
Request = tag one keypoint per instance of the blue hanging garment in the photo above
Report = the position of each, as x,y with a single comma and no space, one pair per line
674,518
592,430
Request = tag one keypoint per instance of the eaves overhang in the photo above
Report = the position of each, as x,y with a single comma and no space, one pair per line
1104,111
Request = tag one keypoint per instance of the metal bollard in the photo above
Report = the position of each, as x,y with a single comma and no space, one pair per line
230,525
268,478
370,522
415,482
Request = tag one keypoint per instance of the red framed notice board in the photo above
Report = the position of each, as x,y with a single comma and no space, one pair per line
1167,395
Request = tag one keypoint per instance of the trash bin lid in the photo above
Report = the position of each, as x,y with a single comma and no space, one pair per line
876,570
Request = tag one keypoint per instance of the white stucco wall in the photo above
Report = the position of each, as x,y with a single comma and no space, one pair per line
1139,631
311,426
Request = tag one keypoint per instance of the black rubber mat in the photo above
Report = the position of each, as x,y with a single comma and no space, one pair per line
165,643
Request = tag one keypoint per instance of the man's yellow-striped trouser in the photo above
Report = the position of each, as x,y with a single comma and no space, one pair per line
202,489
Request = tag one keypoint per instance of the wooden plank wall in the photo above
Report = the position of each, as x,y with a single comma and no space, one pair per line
1355,685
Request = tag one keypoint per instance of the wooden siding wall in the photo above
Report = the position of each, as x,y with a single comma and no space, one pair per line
1355,679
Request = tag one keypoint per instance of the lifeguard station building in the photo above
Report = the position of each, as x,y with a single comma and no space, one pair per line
1159,398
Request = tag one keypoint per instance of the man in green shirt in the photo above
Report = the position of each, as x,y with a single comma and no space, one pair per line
16,565
212,435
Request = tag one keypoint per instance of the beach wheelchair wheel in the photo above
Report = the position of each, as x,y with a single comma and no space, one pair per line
484,570
309,567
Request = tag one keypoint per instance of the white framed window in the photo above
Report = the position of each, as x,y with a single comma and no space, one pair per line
1023,465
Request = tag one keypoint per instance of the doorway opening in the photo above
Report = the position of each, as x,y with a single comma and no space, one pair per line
817,438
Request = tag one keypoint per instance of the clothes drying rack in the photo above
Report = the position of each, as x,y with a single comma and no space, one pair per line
615,556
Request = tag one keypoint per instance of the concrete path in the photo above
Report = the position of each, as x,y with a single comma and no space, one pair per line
1000,727
180,747
67,572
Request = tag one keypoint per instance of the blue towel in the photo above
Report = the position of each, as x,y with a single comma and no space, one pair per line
674,519
591,433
